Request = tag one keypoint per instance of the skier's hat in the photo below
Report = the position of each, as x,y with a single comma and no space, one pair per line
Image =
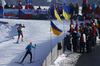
30,42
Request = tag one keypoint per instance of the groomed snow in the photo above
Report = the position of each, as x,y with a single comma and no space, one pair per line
36,31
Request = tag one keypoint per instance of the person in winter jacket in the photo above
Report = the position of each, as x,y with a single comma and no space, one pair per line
97,8
94,31
39,7
74,40
89,8
71,26
1,6
29,51
72,9
99,27
84,8
6,6
94,6
31,6
82,41
67,44
27,6
11,6
20,32
89,40
20,5
77,9
78,41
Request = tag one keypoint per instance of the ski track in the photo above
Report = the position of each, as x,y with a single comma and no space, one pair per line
36,31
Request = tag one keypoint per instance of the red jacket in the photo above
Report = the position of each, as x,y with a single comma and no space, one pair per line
31,6
27,7
89,8
20,6
94,30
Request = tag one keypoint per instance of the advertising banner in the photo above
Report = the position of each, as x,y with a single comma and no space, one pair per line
1,13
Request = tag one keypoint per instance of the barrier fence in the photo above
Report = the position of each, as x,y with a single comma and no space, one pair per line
55,52
92,14
38,14
22,13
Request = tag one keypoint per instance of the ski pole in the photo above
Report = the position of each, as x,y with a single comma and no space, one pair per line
34,52
21,56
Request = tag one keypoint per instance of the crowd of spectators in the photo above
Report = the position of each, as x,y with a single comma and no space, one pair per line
83,38
19,6
88,7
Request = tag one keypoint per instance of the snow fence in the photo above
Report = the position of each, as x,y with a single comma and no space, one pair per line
55,52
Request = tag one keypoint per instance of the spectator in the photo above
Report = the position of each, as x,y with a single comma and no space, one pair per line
1,6
84,8
52,10
89,7
94,6
99,27
72,9
31,6
20,5
39,8
27,6
77,9
6,6
97,8
11,6
74,40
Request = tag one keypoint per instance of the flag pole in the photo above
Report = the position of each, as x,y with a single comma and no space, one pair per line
50,40
64,28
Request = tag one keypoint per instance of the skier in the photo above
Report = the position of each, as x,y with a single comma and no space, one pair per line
28,51
20,32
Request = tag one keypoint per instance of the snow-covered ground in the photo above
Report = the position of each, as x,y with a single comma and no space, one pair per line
36,31
67,59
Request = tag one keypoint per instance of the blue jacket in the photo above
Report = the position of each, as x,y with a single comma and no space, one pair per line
79,35
29,47
94,6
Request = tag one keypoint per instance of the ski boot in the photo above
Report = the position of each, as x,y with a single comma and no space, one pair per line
22,40
17,41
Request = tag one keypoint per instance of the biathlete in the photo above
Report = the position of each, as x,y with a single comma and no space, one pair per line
19,30
28,51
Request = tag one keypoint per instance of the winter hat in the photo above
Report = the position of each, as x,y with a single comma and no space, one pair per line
30,42
19,1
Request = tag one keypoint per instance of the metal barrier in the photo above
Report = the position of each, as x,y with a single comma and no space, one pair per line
52,56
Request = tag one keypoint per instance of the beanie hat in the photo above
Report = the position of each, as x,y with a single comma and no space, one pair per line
19,1
30,42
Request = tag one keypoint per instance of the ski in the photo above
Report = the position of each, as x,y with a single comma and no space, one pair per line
18,42
33,61
19,63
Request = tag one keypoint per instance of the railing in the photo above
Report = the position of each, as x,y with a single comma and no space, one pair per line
52,56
